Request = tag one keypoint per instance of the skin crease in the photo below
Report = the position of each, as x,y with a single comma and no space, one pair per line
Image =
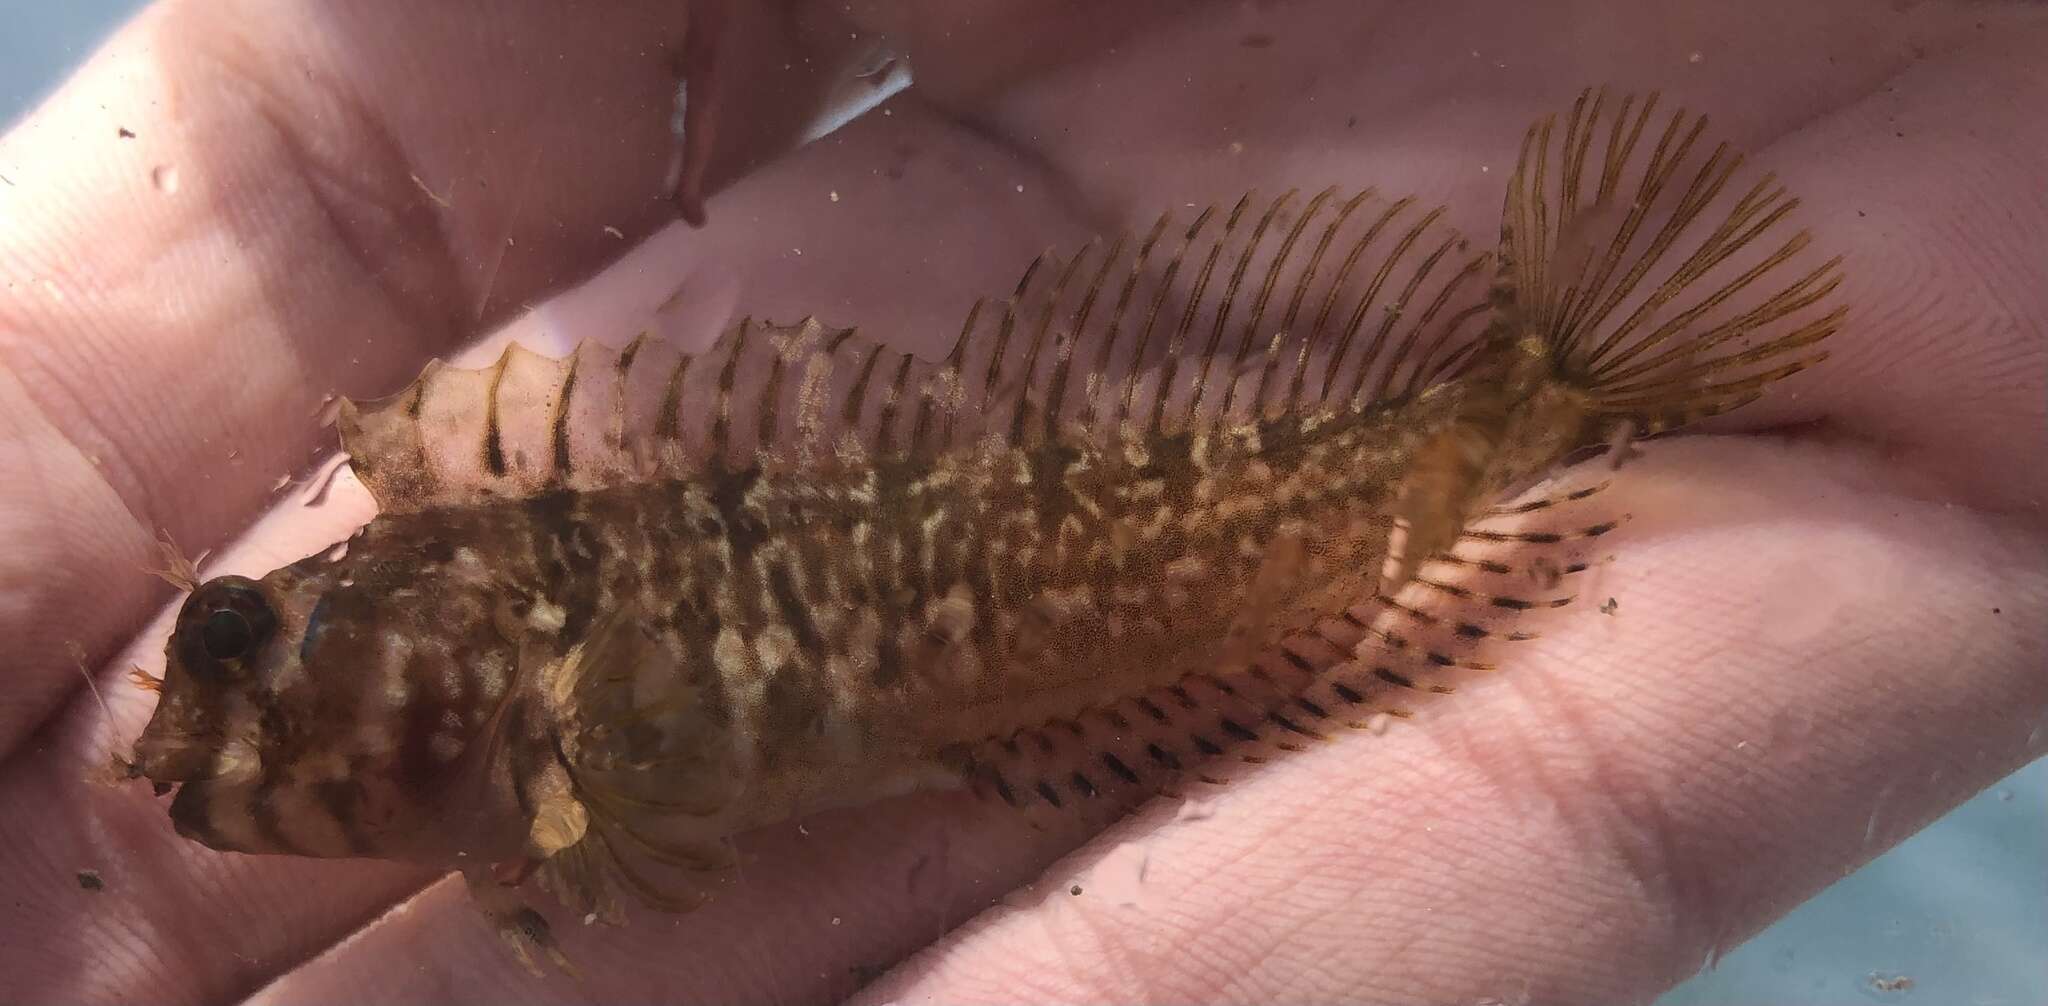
1823,640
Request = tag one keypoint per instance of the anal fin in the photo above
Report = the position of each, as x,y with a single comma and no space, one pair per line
1460,615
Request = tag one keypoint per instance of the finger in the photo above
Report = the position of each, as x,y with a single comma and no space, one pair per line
1929,181
1638,791
240,208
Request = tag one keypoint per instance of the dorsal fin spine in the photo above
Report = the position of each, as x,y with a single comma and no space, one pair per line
1127,394
1318,330
1105,358
857,395
892,406
1056,391
558,424
668,428
1190,309
1342,353
1248,334
1425,373
1392,313
494,446
762,385
1395,313
854,404
921,431
622,372
1279,340
1249,337
1019,410
766,424
1006,328
812,386
721,422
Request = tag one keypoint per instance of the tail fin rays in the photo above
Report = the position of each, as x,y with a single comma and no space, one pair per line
1660,311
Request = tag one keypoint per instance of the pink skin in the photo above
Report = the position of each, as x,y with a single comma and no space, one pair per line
1824,638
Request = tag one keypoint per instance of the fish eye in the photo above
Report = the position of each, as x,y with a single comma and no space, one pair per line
224,620
227,634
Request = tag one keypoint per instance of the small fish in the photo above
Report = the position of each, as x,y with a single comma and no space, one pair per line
1215,485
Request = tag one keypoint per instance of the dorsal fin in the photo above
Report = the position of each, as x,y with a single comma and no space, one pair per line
1328,302
1649,279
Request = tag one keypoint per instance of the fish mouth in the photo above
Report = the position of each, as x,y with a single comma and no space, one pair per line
189,814
174,758
195,812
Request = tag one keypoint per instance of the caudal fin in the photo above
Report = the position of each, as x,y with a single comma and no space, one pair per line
1667,288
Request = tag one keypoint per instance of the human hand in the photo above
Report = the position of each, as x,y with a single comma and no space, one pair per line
1827,633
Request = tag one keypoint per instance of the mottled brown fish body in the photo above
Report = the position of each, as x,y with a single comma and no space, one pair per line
1167,496
852,635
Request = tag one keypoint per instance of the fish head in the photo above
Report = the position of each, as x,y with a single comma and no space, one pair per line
300,715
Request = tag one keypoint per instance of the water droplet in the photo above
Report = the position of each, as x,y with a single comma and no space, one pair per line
165,178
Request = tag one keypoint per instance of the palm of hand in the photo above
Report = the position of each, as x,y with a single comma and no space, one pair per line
1805,618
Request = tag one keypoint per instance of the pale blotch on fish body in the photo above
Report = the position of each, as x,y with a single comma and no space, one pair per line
1220,484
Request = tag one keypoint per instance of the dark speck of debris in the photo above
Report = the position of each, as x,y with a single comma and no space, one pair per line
90,880
1996,611
1256,40
1351,122
1610,607
127,134
1075,890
